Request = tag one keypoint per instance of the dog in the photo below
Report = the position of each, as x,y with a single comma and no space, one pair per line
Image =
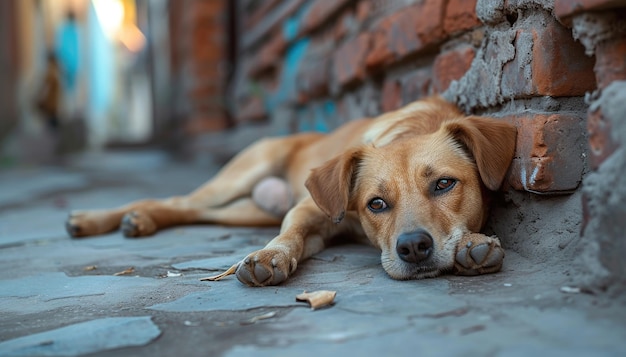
413,182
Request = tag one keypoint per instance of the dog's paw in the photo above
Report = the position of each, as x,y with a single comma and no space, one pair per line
478,254
138,224
88,223
266,267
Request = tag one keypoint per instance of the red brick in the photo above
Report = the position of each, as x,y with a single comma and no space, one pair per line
252,19
416,85
407,31
451,65
601,145
460,16
201,71
269,55
342,26
313,79
567,8
203,54
610,61
197,55
319,12
212,6
380,53
349,60
516,74
271,21
201,11
391,96
201,123
363,10
429,23
549,153
200,92
558,64
252,111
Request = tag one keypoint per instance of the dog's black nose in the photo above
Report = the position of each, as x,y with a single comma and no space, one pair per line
414,247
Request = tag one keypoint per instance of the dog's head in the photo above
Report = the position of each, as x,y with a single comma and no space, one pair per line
417,195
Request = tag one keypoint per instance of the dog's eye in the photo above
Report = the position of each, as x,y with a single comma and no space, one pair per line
444,185
377,205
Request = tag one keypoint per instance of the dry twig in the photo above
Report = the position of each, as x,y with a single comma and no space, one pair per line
221,276
127,271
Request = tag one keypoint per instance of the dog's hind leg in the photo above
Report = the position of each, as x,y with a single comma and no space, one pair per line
234,182
265,158
139,218
241,212
144,218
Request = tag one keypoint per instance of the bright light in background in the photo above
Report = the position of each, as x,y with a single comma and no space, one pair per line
117,18
132,38
110,14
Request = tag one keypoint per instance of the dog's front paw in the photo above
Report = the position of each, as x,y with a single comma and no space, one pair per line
88,223
138,224
478,254
266,267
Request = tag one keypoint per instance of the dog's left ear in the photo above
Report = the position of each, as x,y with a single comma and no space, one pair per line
491,143
331,183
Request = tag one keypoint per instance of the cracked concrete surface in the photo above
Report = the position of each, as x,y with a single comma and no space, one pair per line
60,296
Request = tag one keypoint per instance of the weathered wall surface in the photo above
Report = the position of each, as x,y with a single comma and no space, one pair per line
198,66
315,64
9,67
601,27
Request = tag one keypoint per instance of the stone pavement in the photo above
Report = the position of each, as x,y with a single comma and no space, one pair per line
62,297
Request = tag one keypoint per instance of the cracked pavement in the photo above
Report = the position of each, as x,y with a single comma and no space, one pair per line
61,297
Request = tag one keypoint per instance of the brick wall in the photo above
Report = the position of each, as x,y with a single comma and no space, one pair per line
326,62
544,65
600,25
198,64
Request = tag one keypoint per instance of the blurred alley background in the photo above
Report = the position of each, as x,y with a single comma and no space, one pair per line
80,75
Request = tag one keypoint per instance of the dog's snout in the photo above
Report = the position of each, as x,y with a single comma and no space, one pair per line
414,247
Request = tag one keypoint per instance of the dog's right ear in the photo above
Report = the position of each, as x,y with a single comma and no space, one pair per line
331,183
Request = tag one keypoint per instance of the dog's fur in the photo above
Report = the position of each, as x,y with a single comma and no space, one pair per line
412,181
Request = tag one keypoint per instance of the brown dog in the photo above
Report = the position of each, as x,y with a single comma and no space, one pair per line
412,181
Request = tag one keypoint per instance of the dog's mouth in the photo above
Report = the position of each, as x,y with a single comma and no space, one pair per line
417,255
400,270
425,272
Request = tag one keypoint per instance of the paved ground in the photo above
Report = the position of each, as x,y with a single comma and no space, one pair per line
60,296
